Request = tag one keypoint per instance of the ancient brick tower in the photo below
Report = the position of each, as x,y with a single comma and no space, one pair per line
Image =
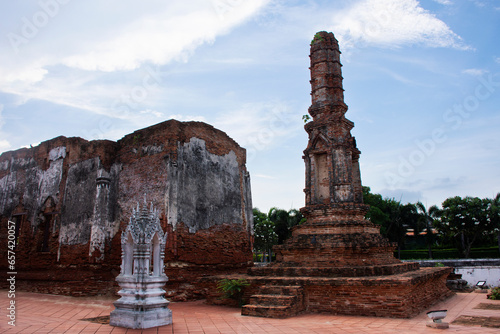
336,233
336,237
337,261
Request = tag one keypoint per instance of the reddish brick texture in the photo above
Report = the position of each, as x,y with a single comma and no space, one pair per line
402,295
396,296
71,198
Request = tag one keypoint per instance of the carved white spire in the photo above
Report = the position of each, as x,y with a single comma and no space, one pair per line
142,276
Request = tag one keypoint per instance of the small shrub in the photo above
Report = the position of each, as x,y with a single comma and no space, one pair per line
439,264
317,38
233,289
495,293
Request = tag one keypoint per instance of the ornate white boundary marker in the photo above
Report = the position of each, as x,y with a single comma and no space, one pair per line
142,303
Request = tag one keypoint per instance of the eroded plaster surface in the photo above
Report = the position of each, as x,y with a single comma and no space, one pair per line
204,188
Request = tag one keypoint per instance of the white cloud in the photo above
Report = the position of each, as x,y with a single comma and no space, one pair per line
152,112
444,2
477,72
497,59
4,143
392,23
87,54
263,176
398,77
187,118
259,126
27,75
479,3
232,61
170,34
1,118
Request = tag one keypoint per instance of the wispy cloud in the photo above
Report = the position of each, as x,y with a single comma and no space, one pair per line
477,72
1,118
64,68
170,34
152,112
444,2
186,118
393,23
263,176
479,3
4,143
398,77
237,61
259,126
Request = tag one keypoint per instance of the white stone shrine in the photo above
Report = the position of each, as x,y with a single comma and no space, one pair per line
142,303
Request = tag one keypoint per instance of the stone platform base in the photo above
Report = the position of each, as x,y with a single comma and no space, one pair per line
396,296
141,320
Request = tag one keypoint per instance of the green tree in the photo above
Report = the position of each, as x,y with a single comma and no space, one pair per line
265,236
280,219
428,218
466,220
295,218
390,215
494,214
410,218
284,221
399,218
378,213
258,216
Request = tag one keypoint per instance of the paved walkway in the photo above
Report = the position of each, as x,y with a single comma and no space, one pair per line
39,313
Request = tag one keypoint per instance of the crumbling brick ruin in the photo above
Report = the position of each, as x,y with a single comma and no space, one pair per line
70,198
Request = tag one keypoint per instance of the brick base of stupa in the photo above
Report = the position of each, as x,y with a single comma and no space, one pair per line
337,262
402,295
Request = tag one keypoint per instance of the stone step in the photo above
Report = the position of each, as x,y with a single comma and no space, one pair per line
273,300
268,311
291,290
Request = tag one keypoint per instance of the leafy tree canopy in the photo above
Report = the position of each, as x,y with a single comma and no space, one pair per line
461,222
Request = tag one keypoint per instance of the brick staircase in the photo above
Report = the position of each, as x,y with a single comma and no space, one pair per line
275,301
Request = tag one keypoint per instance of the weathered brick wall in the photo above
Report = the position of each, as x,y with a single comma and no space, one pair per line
390,296
403,295
71,198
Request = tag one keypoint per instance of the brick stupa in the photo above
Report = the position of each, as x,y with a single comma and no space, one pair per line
337,261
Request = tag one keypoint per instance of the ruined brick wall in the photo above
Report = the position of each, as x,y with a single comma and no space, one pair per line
70,198
385,296
403,295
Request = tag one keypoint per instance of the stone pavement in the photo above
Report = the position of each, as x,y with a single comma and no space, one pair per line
40,313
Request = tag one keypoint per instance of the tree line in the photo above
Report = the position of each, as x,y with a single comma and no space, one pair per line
460,222
273,228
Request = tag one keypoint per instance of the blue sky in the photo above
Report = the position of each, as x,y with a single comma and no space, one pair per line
421,79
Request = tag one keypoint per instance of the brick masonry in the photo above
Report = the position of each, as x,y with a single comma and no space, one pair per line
70,198
403,295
